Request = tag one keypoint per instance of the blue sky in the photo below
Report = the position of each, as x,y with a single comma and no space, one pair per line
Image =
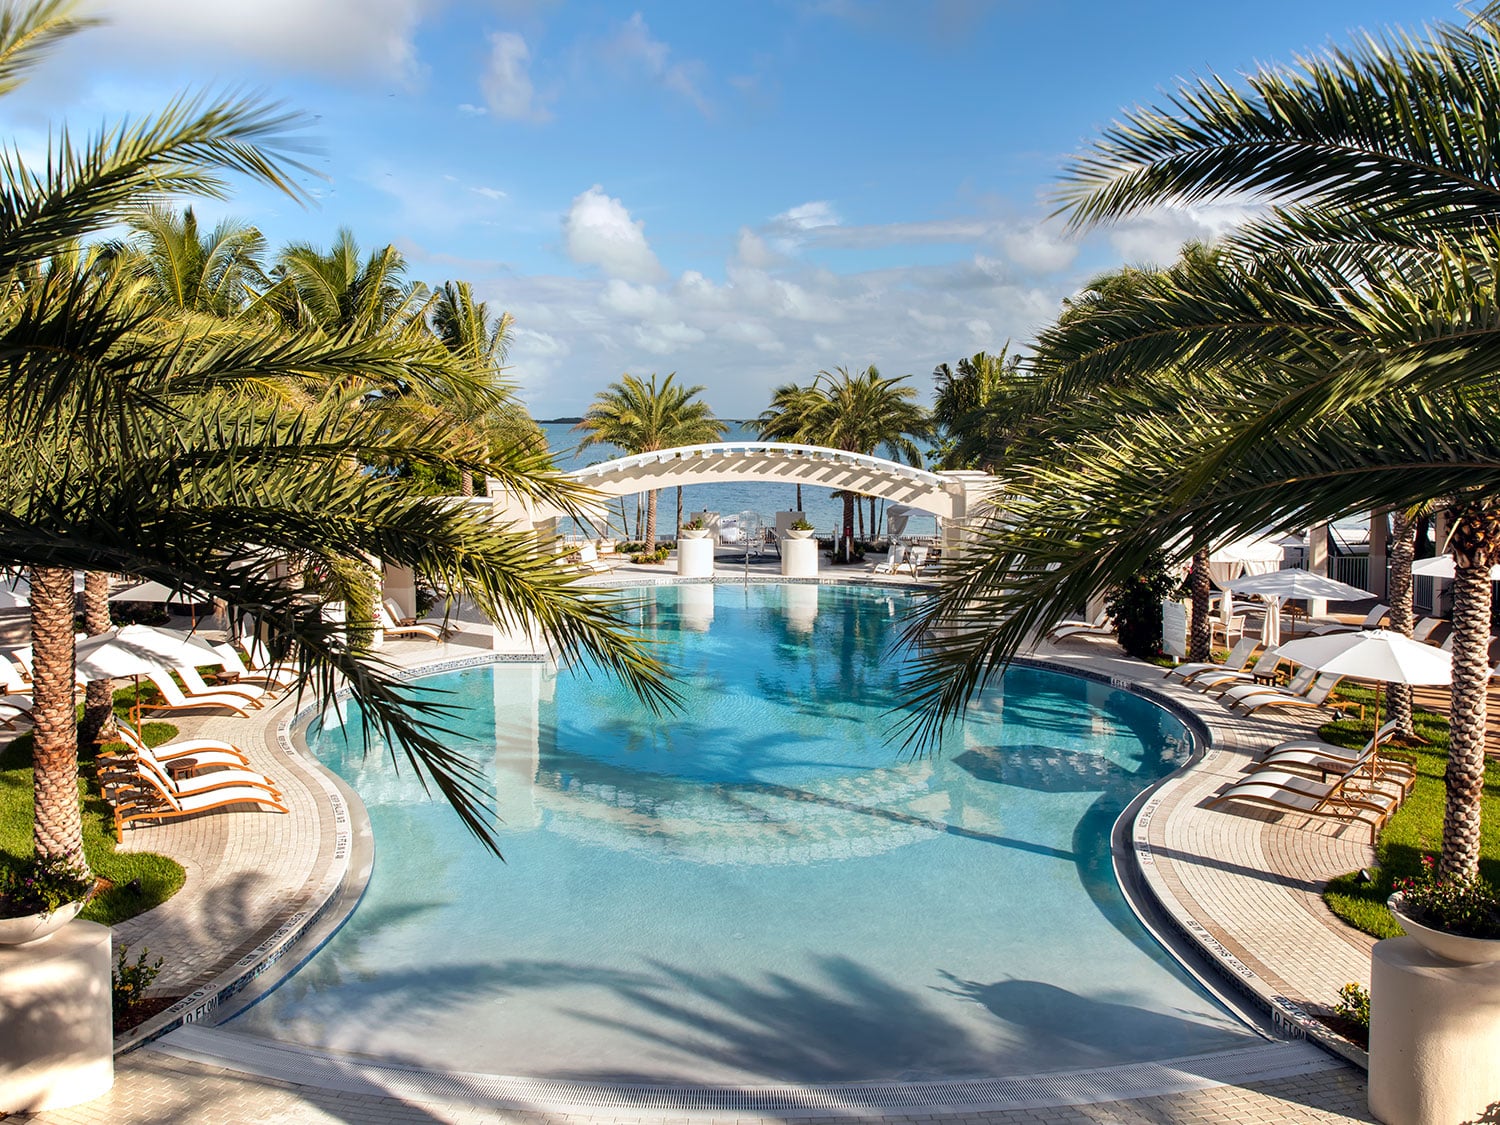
740,191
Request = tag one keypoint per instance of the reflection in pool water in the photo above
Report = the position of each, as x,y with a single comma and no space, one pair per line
761,887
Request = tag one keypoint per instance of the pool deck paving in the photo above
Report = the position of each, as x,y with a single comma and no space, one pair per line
1243,882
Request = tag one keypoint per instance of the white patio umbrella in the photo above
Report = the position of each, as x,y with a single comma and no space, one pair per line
1282,584
139,650
1441,566
15,592
1373,654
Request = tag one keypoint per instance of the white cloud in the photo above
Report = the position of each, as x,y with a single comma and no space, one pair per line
667,339
598,231
635,51
352,37
471,110
751,250
1034,248
506,81
1157,239
488,192
806,216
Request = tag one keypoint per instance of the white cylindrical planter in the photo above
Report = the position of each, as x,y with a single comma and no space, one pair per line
695,558
1434,1036
799,558
56,1029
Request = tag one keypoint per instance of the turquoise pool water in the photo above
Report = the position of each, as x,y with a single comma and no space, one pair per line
760,888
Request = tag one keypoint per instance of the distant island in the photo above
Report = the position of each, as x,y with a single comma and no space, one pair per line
575,421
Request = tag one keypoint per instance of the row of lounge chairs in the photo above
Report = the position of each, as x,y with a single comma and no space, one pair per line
1302,775
1362,785
180,778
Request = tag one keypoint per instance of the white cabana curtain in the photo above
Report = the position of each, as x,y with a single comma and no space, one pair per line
1235,560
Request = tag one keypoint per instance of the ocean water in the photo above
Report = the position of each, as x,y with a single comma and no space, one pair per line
823,511
761,887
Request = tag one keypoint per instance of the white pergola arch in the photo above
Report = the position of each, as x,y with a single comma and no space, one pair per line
779,463
955,497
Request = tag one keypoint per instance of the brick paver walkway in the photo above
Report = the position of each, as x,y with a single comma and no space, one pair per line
1246,881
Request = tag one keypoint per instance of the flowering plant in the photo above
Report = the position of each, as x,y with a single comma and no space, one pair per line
40,886
1467,907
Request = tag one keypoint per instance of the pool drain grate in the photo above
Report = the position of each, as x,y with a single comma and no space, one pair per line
330,1070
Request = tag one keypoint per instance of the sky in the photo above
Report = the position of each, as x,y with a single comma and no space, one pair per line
743,192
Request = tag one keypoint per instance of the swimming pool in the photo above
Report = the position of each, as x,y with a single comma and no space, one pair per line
760,888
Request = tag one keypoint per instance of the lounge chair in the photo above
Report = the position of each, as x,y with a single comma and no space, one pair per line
1238,657
210,751
1425,628
1331,761
188,782
271,678
1372,621
1233,693
1315,696
13,707
1098,622
443,624
1290,792
195,685
393,629
586,561
1258,674
149,801
176,700
893,559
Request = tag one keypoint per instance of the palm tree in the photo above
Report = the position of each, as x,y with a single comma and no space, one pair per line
466,329
641,417
784,419
1361,315
217,273
342,291
862,413
976,407
129,442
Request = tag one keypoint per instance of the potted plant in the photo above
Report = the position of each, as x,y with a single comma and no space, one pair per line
40,896
694,529
800,530
1454,918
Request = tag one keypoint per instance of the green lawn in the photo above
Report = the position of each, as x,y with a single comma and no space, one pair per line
159,877
1416,829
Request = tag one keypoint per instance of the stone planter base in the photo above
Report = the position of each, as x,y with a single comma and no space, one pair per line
1434,1036
56,1035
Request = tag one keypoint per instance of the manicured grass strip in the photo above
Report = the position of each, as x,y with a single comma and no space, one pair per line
1417,827
141,879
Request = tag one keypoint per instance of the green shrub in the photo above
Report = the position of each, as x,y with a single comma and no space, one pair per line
1136,607
1354,1005
131,979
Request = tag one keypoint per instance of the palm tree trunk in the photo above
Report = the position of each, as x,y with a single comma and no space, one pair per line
1200,642
799,498
99,697
845,552
57,828
1473,544
465,483
1402,547
651,520
859,515
679,513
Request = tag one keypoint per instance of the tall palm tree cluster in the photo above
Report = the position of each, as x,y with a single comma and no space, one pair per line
175,407
642,417
1339,353
863,413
